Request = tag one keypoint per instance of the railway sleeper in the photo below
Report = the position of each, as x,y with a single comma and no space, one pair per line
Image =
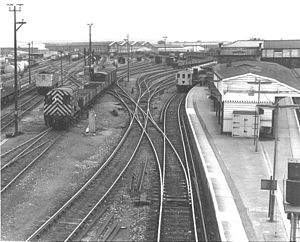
171,203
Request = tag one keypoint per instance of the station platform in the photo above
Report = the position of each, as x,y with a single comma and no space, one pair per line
235,170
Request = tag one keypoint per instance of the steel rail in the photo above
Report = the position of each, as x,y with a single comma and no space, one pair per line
38,137
53,217
83,221
204,230
19,146
180,124
30,164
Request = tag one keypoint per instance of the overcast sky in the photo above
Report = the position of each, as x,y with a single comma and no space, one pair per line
190,20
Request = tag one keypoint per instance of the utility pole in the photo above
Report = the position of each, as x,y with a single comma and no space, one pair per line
29,68
127,57
61,69
276,108
165,38
13,8
90,45
256,119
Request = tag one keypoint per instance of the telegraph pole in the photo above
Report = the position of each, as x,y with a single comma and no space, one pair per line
276,108
90,45
29,69
13,8
61,69
165,38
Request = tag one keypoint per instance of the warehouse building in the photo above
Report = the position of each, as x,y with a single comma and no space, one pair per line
240,50
236,88
284,52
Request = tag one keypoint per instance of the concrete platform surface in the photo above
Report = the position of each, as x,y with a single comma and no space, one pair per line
244,168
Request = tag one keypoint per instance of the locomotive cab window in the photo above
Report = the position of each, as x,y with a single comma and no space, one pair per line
183,75
178,75
189,75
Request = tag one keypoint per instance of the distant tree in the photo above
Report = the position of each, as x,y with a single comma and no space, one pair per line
160,42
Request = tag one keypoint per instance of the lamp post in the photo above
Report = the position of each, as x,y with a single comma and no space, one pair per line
276,108
165,39
13,8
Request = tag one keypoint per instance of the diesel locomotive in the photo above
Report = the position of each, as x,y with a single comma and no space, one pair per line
64,104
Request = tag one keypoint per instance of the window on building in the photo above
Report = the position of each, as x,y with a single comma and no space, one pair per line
178,75
189,75
183,75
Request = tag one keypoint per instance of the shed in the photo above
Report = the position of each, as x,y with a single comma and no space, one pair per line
284,52
236,88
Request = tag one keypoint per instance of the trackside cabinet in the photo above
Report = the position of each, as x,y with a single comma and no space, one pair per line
293,184
243,124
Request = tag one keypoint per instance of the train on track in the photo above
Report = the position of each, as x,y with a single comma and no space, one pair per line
8,92
64,104
185,79
46,80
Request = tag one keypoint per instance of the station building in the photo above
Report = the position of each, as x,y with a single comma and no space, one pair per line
237,88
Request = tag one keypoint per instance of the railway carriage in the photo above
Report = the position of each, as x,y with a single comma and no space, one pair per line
184,80
64,104
189,77
47,80
8,91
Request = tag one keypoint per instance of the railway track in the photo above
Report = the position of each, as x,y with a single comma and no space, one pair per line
16,162
70,219
175,204
182,205
73,215
177,218
27,104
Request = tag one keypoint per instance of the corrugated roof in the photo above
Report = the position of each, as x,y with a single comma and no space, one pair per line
266,69
240,51
245,43
281,44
